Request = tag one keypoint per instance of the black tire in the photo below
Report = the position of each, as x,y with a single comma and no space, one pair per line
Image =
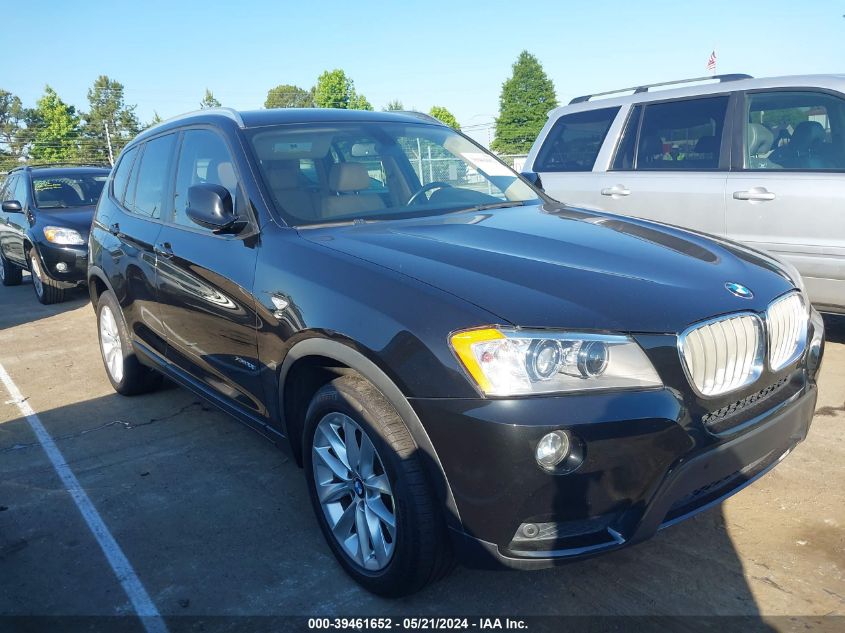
133,378
47,290
10,275
421,551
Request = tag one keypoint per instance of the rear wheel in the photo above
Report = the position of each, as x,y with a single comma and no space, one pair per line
10,275
46,289
367,485
126,374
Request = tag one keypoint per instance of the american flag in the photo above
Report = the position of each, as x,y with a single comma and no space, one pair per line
711,63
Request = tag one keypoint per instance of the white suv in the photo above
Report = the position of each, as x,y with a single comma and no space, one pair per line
761,161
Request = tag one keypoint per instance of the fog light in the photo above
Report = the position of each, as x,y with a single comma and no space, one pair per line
552,449
61,267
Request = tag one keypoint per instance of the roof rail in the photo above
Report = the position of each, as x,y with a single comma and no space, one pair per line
227,112
645,88
65,163
420,115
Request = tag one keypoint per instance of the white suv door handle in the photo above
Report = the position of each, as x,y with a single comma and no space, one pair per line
616,191
755,194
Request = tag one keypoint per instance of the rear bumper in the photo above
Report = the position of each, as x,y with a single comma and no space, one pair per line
689,486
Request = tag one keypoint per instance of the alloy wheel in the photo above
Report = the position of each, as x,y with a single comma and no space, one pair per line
354,491
110,344
35,269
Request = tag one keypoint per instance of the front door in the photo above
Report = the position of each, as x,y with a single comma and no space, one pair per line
786,195
205,280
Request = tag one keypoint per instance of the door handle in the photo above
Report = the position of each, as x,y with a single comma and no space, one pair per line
163,249
114,228
616,191
755,194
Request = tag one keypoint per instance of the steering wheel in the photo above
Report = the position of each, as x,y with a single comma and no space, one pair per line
437,184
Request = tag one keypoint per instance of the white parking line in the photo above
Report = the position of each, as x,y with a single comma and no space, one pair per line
138,596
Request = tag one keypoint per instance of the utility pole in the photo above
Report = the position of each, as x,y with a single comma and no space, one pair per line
108,142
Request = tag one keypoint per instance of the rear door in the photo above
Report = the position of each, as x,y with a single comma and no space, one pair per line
129,226
787,189
671,164
205,280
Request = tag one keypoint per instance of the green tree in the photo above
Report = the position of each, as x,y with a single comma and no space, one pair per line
56,127
13,133
288,96
527,96
335,90
393,106
209,100
443,115
107,108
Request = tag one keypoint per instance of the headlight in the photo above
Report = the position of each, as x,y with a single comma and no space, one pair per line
506,362
59,235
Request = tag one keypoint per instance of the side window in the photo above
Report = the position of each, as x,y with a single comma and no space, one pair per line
121,174
574,141
203,158
625,152
682,135
7,191
795,130
153,176
20,192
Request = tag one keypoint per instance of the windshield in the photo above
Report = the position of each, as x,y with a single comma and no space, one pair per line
337,172
68,190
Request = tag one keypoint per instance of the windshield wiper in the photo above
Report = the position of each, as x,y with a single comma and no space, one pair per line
492,205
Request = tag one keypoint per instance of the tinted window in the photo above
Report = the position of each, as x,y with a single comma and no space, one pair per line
8,189
682,134
19,193
121,173
203,158
795,130
625,152
575,140
153,176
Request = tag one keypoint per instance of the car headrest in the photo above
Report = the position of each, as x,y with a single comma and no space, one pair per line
760,139
349,177
226,175
806,133
651,145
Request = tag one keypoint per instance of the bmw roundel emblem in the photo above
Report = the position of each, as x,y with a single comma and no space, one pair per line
739,290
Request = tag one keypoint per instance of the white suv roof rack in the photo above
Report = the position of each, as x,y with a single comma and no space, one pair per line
645,87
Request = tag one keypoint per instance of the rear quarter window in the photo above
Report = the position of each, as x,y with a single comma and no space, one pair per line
574,141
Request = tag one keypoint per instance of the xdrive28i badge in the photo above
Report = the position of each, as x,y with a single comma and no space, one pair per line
739,290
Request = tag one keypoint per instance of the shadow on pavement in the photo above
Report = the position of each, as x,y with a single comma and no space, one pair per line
834,325
18,304
216,521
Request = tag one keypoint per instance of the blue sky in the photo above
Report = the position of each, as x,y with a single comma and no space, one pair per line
455,54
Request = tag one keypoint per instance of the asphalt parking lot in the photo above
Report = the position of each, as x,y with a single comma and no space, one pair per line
215,520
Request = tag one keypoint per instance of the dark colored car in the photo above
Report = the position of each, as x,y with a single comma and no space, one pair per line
44,223
460,364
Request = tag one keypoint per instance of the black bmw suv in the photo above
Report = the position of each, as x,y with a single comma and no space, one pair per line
44,222
461,365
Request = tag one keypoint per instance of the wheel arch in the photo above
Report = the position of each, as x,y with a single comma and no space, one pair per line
98,283
337,358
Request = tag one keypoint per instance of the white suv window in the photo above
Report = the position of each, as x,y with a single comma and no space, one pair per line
795,130
574,141
681,135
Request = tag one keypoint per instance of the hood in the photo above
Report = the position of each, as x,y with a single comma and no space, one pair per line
77,218
558,267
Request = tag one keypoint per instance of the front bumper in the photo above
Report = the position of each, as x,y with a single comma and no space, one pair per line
648,464
65,264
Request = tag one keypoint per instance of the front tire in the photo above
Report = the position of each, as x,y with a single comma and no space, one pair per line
46,289
126,374
371,497
10,275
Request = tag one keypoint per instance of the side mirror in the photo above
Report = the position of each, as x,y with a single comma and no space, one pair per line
534,178
211,207
12,206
